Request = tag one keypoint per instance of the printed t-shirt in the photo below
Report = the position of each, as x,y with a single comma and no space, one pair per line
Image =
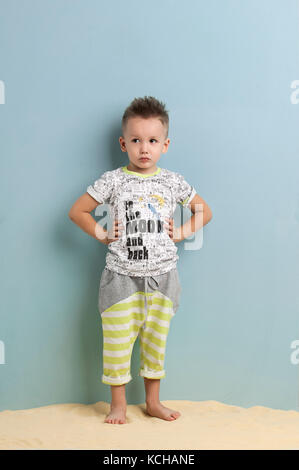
142,203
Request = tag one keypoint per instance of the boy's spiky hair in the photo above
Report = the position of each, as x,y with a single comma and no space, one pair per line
146,107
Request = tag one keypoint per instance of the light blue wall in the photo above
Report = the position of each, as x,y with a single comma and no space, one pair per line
224,70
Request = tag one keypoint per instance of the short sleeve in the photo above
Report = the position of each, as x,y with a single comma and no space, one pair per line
101,189
185,192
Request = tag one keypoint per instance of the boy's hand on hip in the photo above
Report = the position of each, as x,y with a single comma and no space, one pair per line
173,232
114,234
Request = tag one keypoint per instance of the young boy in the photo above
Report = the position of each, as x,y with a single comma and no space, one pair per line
139,287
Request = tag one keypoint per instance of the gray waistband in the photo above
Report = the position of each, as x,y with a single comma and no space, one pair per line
114,287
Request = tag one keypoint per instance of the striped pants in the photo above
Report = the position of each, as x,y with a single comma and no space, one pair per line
132,307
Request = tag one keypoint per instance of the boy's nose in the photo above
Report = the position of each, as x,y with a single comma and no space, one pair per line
143,147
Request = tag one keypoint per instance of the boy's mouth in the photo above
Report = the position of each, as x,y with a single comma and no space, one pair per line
144,159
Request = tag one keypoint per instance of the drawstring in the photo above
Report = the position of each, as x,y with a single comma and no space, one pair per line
153,283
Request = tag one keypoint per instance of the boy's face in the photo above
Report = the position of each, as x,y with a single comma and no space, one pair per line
144,138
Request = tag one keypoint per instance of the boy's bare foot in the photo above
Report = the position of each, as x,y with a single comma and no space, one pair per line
117,415
160,411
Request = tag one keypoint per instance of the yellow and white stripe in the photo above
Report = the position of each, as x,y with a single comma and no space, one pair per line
122,323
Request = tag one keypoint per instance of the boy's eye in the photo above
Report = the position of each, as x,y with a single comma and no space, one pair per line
133,140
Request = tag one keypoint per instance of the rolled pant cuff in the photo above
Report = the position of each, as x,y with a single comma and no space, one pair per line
124,379
152,374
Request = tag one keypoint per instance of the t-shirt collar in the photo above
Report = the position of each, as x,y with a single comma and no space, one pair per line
125,169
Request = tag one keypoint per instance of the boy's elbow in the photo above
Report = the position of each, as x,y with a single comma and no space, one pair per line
71,215
209,214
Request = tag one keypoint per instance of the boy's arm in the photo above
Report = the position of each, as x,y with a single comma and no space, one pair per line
80,215
202,214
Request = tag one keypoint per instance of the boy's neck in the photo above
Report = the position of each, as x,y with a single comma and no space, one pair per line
142,171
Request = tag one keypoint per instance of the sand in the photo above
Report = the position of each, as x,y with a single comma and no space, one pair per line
202,425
